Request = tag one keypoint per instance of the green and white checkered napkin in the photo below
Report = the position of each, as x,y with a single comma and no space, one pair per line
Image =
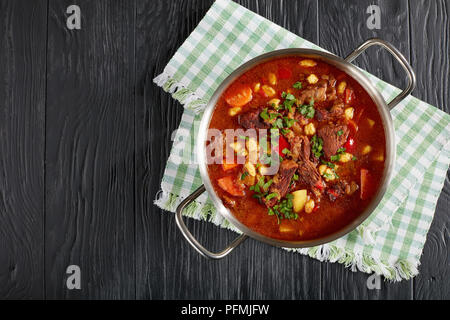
390,242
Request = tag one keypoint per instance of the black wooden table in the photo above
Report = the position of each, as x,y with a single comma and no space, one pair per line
85,134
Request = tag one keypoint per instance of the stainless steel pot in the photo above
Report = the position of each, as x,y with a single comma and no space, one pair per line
342,64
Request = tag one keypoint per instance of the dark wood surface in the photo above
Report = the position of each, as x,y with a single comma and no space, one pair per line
85,134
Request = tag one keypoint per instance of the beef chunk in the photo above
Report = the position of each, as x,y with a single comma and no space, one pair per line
337,190
300,148
309,175
334,136
336,112
321,114
282,180
252,120
317,93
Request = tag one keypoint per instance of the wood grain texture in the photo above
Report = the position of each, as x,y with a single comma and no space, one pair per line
430,57
341,33
23,35
90,150
167,267
85,135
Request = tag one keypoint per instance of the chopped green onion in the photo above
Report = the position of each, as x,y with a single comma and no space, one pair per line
297,85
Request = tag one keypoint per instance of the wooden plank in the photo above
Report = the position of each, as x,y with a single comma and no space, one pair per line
90,150
342,27
430,47
22,123
167,267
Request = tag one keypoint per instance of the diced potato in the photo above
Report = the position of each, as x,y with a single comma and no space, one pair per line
310,129
286,228
268,90
272,78
378,157
252,145
322,169
257,87
341,87
274,102
312,78
309,206
236,146
299,200
329,174
345,157
308,63
370,122
249,180
349,113
234,111
366,150
250,169
264,171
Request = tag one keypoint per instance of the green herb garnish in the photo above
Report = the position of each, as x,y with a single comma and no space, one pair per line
307,111
288,122
297,85
278,124
283,209
271,195
317,146
329,164
336,157
289,100
264,114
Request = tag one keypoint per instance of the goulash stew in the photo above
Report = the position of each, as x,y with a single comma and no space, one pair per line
330,149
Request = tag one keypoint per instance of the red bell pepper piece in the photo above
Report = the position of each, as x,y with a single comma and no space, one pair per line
282,144
320,185
350,145
348,96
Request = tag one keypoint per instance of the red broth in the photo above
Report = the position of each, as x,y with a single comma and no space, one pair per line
338,186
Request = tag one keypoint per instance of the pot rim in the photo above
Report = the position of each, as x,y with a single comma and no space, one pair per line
352,71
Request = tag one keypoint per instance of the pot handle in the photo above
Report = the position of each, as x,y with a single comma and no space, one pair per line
400,58
191,239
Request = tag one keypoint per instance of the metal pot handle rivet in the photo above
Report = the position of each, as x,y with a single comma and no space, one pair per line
191,239
397,55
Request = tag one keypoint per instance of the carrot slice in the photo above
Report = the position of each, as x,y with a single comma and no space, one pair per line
238,95
229,185
366,184
229,166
